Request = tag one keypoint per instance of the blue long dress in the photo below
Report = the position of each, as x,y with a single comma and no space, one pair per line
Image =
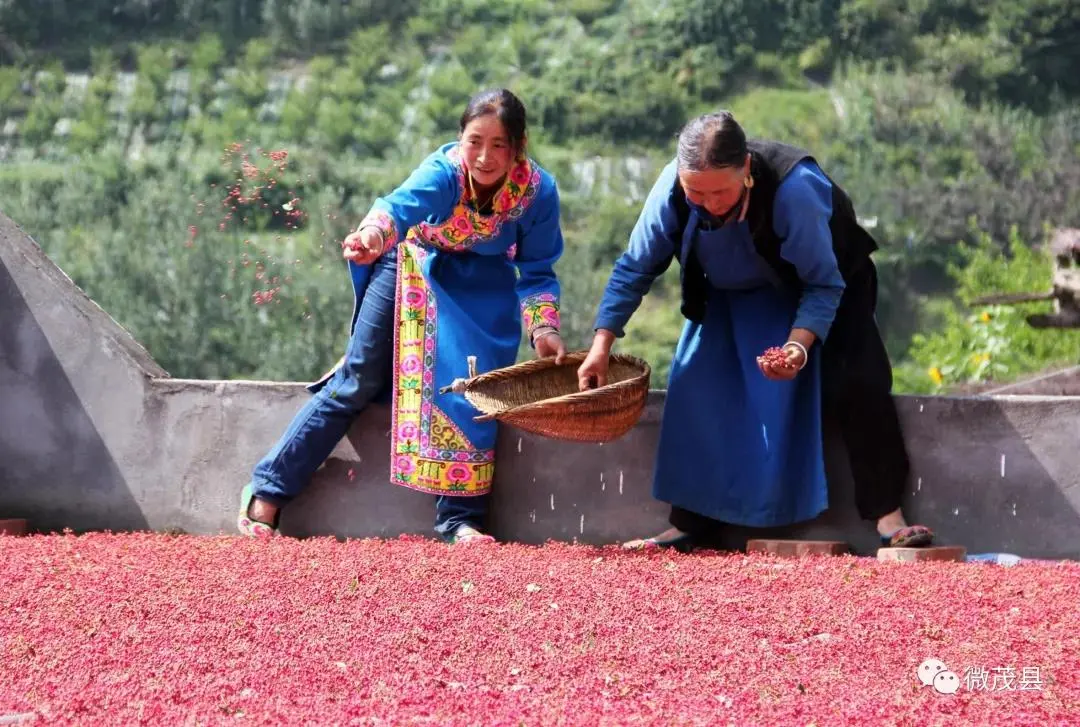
467,284
735,446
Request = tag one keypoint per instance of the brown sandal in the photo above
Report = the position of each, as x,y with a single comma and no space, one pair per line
913,536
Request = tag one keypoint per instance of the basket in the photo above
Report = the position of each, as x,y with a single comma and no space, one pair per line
542,397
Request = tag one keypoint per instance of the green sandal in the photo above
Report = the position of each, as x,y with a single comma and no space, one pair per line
247,525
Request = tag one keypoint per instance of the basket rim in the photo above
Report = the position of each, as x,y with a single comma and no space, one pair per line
573,397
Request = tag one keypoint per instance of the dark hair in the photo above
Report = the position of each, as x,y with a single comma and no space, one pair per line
503,105
712,141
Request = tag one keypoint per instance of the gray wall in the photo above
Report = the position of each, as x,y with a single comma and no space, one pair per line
94,435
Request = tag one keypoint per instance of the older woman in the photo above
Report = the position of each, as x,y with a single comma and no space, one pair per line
771,257
447,266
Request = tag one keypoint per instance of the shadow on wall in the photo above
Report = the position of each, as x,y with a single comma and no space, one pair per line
50,450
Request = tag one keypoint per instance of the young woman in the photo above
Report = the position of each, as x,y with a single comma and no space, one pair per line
447,266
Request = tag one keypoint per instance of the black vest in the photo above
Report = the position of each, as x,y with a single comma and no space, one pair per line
770,163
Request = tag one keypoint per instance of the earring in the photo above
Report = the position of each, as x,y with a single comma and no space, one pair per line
748,182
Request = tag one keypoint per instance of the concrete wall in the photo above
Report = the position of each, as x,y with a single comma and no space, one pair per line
94,435
1057,383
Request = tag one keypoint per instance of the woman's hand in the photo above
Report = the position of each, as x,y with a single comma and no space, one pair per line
550,344
593,371
364,246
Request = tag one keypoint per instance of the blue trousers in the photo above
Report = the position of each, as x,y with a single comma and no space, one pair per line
324,420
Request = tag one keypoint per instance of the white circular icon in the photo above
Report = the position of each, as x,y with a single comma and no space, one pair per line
930,669
946,683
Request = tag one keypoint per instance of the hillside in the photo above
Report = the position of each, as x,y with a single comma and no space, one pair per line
124,125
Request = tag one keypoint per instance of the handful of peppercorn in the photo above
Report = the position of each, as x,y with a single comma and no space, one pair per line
774,356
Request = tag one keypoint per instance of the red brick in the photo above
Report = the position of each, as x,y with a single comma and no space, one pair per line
12,527
797,548
912,555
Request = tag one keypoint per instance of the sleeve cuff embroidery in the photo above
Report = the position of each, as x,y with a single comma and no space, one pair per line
540,310
384,223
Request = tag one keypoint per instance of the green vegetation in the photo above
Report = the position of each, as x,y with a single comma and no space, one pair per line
953,124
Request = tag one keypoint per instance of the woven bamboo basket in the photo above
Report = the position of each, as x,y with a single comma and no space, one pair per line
542,397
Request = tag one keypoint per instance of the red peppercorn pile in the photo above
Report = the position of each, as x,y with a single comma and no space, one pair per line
160,630
774,356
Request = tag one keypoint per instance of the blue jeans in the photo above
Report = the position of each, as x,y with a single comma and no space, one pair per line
326,418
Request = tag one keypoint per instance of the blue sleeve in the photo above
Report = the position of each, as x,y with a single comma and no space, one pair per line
651,249
801,213
539,247
428,195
